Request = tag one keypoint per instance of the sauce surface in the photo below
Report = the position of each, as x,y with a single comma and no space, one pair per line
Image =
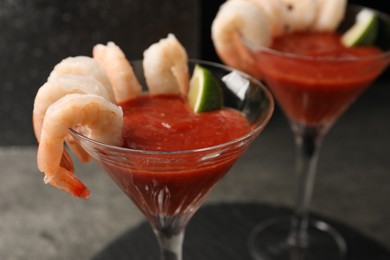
313,91
165,123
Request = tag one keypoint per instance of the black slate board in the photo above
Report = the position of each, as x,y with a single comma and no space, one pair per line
221,232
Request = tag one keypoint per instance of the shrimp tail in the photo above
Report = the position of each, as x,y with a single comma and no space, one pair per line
66,162
66,180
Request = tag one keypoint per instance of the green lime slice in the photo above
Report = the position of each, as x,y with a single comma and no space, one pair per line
205,93
364,31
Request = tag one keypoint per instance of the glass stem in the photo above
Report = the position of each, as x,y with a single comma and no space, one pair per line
171,244
307,141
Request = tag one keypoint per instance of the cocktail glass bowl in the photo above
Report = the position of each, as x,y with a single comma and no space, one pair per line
313,92
168,187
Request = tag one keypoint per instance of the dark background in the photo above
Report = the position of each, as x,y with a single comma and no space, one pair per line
37,34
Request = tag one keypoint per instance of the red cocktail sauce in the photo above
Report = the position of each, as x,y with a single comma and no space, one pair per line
164,190
165,123
316,89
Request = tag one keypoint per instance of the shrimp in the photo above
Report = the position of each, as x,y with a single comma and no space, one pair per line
273,9
238,22
88,67
299,15
99,117
119,71
85,66
165,66
330,14
65,178
55,89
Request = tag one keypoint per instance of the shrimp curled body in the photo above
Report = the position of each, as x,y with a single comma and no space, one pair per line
299,15
330,15
57,88
166,67
274,11
103,121
84,66
239,21
119,71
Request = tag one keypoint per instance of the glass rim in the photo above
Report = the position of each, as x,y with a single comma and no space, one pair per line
384,54
256,127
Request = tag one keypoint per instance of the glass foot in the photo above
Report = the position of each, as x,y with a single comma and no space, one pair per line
269,240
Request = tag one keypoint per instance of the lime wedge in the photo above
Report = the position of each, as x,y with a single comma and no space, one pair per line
205,92
364,31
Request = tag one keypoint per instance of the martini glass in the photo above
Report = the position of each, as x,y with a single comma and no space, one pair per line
312,91
169,187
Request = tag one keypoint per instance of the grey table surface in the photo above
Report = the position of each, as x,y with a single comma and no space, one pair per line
352,187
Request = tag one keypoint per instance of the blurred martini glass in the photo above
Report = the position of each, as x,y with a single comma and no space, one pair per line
314,78
313,87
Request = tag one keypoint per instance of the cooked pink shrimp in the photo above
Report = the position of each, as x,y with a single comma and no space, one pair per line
119,71
299,15
274,11
85,66
55,89
238,22
103,121
166,67
330,14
